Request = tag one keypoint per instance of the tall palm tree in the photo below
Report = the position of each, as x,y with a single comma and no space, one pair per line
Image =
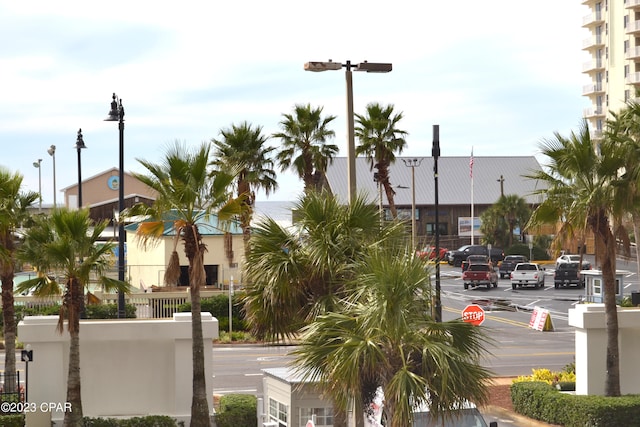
623,130
63,251
305,149
494,228
243,148
188,195
385,339
582,192
380,140
13,213
515,212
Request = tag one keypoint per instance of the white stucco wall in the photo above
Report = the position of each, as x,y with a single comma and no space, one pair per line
591,348
128,367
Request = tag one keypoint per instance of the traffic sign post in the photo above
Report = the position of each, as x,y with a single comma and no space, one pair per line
473,314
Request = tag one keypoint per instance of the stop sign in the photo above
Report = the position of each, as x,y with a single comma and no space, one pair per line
473,314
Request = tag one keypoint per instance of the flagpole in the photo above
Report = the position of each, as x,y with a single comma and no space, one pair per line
472,213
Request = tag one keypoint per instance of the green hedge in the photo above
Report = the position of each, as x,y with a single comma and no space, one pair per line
149,421
12,420
218,306
539,254
237,410
543,402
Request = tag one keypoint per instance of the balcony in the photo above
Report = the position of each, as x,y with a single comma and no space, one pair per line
633,79
592,19
633,27
633,53
632,4
592,42
592,89
590,113
595,65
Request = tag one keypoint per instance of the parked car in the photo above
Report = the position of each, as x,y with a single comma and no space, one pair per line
526,274
508,264
429,252
567,258
456,257
480,274
475,259
568,273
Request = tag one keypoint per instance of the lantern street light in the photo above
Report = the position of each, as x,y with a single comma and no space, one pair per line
369,67
413,163
52,153
79,146
38,165
116,114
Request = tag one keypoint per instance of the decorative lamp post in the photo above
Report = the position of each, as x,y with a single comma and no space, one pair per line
413,163
79,146
52,153
116,114
435,152
369,67
38,165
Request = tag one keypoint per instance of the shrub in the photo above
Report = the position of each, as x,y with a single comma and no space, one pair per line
538,253
218,306
149,421
12,420
109,311
541,401
237,410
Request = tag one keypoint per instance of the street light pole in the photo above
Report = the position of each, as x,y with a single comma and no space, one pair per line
413,163
435,152
38,165
79,146
52,153
370,67
116,113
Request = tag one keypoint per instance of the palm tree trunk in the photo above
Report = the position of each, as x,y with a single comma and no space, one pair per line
603,232
73,418
390,197
636,237
9,319
199,404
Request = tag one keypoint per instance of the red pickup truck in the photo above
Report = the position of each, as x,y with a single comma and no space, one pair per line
480,274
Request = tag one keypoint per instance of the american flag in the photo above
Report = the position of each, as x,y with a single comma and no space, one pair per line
471,165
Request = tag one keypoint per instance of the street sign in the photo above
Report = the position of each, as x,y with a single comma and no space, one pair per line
473,314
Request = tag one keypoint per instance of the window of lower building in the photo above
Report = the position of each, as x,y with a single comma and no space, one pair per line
324,416
443,228
278,412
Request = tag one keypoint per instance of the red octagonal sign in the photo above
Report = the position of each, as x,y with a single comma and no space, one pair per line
473,314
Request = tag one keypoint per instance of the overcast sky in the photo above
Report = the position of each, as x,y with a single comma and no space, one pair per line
497,75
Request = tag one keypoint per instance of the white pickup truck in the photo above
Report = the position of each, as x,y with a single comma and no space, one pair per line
527,274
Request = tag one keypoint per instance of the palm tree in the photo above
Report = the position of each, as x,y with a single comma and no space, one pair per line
582,192
243,148
13,213
188,195
623,130
385,339
295,275
305,149
515,212
62,249
380,140
493,227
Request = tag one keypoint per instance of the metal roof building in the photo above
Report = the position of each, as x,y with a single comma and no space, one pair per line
491,175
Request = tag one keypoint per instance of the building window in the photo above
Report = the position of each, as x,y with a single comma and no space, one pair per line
324,416
626,70
405,214
626,20
597,286
443,229
627,95
278,412
626,46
